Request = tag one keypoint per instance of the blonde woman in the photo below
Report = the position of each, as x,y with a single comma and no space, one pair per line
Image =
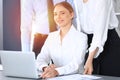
66,47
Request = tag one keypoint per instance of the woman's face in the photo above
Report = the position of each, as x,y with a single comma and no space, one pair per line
62,16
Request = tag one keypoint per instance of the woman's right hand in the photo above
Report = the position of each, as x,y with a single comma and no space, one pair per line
88,68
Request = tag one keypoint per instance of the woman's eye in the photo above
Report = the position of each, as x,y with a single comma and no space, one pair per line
63,13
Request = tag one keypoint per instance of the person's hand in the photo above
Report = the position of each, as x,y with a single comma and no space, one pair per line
49,72
52,66
88,68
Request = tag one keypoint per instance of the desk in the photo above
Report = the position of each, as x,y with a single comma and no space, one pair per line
2,77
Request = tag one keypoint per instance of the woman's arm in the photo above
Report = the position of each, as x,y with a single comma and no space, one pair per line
89,63
100,19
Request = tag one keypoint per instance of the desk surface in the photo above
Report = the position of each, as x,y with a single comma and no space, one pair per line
2,77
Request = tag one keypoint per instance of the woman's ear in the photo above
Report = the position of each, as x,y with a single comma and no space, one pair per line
72,15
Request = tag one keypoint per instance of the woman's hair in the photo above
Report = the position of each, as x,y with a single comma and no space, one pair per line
65,5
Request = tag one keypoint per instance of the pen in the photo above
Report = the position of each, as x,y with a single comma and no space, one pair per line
52,61
52,64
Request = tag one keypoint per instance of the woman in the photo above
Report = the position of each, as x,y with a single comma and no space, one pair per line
65,47
34,29
97,19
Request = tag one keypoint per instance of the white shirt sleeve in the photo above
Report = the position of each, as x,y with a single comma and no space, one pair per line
26,23
44,57
101,25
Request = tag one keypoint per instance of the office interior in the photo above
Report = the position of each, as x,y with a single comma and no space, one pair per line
10,24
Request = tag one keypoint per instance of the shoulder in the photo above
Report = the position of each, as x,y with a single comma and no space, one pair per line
81,35
77,33
53,35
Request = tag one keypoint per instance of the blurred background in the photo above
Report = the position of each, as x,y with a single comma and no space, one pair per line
10,24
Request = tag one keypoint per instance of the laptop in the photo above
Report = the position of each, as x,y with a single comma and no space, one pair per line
19,64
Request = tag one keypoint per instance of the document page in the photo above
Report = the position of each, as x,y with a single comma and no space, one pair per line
76,77
1,67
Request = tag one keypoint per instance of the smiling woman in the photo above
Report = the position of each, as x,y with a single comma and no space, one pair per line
65,47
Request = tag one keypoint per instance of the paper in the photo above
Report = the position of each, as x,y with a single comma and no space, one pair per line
90,76
75,77
1,67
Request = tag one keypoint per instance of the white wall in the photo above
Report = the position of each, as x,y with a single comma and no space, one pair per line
117,6
118,28
117,10
1,24
11,20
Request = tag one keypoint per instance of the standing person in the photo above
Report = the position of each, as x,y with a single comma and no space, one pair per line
34,24
97,19
65,47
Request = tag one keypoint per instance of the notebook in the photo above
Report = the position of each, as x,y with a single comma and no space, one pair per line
19,64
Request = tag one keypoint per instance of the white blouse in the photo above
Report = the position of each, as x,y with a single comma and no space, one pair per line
67,55
95,17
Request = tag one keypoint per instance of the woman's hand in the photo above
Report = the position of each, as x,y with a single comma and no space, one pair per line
88,68
89,63
49,72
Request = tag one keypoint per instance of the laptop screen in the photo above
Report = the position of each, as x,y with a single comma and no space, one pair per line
19,64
